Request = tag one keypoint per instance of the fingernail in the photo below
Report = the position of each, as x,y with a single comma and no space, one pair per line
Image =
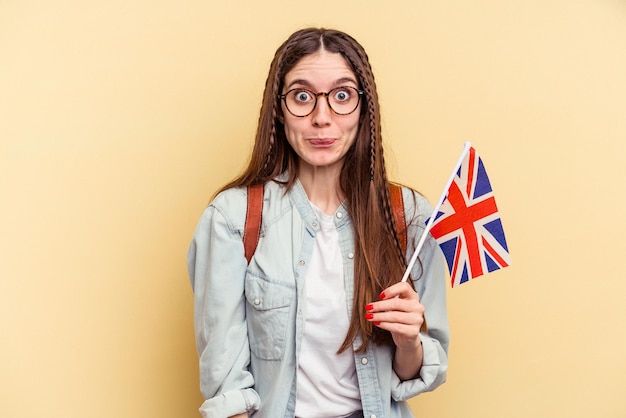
369,306
376,323
369,316
382,295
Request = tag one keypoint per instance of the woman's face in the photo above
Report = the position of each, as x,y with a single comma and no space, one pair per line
322,138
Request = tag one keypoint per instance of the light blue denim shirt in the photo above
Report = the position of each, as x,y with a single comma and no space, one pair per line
249,318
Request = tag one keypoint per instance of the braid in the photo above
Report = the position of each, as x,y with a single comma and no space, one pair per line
267,169
373,132
273,163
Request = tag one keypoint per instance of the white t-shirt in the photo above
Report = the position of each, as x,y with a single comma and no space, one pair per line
327,384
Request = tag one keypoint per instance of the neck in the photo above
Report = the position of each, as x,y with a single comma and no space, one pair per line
321,185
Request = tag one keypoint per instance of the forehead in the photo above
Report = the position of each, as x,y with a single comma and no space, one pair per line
320,68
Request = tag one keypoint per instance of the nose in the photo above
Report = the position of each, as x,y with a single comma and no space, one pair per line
321,115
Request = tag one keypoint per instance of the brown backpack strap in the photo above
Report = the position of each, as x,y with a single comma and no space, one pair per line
252,228
397,208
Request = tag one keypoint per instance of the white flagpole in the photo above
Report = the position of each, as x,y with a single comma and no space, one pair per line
420,244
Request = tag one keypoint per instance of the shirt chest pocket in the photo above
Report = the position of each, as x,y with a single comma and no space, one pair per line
267,314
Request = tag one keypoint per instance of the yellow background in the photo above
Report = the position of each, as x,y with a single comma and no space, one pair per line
119,119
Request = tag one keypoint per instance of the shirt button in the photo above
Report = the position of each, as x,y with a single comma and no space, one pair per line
339,215
301,262
314,224
364,360
257,301
350,256
373,416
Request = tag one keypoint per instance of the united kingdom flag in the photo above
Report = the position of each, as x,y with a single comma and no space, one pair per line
467,225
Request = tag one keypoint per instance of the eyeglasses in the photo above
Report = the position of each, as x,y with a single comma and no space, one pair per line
301,102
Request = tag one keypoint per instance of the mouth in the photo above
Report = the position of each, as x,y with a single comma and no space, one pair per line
322,142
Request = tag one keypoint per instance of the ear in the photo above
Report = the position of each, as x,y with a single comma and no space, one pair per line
280,115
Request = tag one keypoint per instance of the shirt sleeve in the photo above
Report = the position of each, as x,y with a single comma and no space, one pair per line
217,269
430,283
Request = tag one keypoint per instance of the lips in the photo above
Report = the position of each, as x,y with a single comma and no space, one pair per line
322,142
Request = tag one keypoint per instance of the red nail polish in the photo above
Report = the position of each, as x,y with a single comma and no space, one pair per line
369,316
376,323
382,295
369,307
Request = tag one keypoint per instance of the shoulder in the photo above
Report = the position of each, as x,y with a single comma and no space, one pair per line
232,203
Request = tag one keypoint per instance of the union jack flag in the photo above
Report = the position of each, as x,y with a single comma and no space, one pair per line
467,225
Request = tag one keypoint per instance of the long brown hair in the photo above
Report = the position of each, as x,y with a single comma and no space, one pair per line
378,259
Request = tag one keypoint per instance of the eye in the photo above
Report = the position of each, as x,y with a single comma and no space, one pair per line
302,96
342,94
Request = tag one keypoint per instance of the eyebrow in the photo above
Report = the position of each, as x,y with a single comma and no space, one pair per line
339,82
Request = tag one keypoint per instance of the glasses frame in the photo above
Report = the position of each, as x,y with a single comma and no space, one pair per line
360,93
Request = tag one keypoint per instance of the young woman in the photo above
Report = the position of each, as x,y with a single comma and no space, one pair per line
317,324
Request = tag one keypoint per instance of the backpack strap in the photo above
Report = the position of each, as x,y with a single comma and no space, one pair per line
397,210
252,228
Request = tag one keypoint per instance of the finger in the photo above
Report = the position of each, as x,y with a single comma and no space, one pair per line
396,317
397,304
402,290
399,330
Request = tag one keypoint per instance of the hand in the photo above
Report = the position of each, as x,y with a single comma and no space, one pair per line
400,312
